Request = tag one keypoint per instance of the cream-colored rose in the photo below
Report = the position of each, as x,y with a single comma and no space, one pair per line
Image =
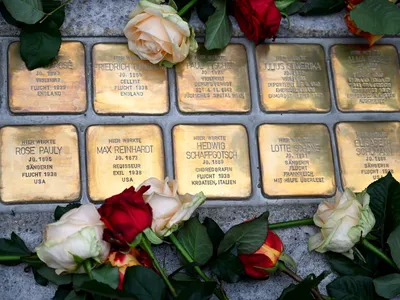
169,208
156,33
342,223
79,232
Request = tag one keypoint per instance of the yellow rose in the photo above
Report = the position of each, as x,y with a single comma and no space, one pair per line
158,34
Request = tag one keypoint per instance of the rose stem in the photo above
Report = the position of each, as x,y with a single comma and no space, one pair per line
221,295
146,246
53,11
296,277
87,265
378,253
187,7
287,224
10,257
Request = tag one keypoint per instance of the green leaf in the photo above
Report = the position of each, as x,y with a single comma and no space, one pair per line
61,210
204,9
73,295
394,244
352,288
377,17
294,8
247,236
39,278
100,289
218,27
107,274
303,289
13,247
228,267
197,290
57,16
345,266
26,11
194,238
282,5
322,7
144,283
50,275
388,286
8,17
62,292
214,232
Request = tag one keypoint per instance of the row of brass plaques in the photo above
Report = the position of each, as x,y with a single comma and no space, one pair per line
41,163
292,77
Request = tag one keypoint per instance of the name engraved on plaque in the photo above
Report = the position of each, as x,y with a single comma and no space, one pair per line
44,160
120,156
296,160
366,79
214,81
367,152
213,159
293,78
57,88
123,83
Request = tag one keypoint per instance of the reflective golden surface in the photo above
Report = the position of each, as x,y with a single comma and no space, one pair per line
367,152
293,77
125,84
213,159
120,156
296,160
39,163
214,81
366,79
58,88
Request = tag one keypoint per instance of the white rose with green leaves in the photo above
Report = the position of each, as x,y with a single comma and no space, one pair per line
78,235
343,223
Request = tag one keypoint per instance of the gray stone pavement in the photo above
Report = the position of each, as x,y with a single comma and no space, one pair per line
107,18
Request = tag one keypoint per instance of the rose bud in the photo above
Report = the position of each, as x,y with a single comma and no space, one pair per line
169,209
79,232
266,257
125,215
258,19
342,223
124,260
158,34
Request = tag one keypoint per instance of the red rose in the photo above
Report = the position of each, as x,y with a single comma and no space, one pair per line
265,257
258,19
125,215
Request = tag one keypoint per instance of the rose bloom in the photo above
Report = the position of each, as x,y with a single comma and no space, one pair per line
124,260
169,208
125,215
79,232
266,257
342,223
156,33
258,19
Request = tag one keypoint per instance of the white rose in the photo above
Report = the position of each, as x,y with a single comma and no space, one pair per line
157,34
169,208
79,232
342,223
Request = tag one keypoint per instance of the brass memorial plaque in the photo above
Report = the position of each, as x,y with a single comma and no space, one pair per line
125,84
367,152
213,159
58,88
293,77
366,79
296,160
120,156
39,163
214,81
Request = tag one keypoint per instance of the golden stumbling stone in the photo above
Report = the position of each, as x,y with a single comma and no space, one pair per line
39,163
57,88
367,152
296,160
214,81
213,159
120,156
293,77
123,83
366,78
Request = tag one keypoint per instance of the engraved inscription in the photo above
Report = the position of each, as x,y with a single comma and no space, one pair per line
214,81
370,77
212,159
296,160
125,84
123,155
293,77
